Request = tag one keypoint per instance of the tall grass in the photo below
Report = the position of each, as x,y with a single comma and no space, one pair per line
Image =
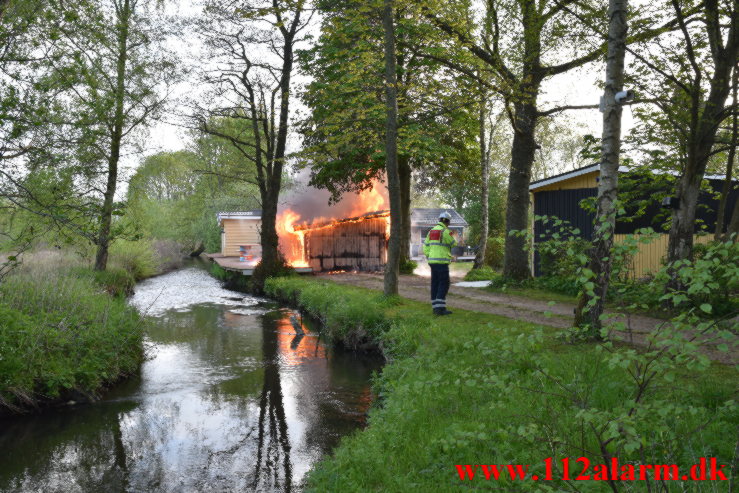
61,334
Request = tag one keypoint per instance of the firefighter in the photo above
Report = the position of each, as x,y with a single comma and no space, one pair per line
438,251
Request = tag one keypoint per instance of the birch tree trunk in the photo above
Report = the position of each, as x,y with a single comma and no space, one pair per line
485,189
593,298
391,151
106,213
728,185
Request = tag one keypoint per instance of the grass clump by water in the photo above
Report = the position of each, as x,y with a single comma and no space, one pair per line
343,313
62,335
473,388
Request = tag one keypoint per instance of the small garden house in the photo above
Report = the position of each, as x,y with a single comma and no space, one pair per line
240,235
562,196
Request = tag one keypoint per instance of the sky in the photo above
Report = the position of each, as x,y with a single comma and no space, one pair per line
578,87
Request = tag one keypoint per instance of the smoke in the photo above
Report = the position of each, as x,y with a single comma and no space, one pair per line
312,204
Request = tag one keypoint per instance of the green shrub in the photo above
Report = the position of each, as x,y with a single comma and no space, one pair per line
136,257
484,273
408,266
494,252
115,281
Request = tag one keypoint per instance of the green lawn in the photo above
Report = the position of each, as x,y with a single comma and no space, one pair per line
474,388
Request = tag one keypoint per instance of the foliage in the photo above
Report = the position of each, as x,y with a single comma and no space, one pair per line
407,266
495,251
484,273
710,281
191,186
61,336
437,131
138,258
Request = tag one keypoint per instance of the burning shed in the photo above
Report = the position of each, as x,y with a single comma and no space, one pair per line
355,244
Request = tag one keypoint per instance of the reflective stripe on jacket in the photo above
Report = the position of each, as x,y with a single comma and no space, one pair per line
438,245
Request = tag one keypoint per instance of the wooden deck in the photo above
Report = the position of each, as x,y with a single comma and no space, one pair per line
246,268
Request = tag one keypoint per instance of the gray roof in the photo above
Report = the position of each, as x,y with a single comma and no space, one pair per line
431,217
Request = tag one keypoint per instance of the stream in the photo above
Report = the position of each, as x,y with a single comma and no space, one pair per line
230,399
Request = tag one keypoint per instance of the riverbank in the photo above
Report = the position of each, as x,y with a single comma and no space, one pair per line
476,388
67,331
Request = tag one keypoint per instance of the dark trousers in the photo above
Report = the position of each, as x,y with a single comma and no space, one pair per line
439,284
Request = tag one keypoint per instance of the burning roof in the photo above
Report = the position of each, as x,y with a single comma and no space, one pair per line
329,224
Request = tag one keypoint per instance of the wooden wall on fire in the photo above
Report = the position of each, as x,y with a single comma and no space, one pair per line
356,245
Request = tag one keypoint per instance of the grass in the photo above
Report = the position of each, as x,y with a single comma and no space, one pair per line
474,388
62,335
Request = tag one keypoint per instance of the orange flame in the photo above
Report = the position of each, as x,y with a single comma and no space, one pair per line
292,243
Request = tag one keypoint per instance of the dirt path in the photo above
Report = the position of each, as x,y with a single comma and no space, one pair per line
539,312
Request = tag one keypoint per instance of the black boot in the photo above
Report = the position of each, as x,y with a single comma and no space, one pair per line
441,311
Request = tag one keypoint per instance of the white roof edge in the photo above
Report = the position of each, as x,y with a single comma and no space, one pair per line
577,172
220,216
590,169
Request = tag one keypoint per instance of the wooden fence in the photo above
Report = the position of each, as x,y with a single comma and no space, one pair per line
359,244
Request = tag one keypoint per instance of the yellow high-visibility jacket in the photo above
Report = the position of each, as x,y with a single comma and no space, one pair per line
438,245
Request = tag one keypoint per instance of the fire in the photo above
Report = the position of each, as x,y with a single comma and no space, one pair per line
291,230
292,243
370,200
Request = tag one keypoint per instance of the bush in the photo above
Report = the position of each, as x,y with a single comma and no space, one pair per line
114,281
494,252
408,266
136,257
484,273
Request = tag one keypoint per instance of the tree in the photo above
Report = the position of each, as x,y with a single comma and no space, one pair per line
687,76
346,124
119,75
485,188
731,154
63,127
250,72
519,58
592,300
391,152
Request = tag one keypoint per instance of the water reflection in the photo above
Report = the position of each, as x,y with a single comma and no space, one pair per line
232,399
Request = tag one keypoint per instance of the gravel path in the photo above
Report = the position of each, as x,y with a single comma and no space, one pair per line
558,315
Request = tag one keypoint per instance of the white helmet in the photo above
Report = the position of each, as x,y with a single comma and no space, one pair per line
445,215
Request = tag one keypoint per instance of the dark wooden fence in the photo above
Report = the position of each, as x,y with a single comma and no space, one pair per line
353,245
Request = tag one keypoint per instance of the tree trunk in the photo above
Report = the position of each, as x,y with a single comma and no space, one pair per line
404,174
590,308
391,150
734,224
706,116
271,177
728,185
516,258
106,214
485,189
